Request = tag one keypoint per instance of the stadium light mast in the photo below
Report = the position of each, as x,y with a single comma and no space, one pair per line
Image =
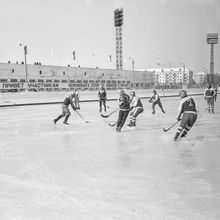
25,61
118,22
212,38
132,60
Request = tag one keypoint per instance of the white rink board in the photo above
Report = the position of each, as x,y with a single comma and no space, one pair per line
88,171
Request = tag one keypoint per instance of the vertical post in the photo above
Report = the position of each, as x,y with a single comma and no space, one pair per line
119,58
184,74
133,74
212,38
74,59
211,64
25,63
118,22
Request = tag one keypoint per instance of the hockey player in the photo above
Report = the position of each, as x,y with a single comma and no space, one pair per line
77,99
155,100
102,98
65,109
136,108
187,114
124,108
209,95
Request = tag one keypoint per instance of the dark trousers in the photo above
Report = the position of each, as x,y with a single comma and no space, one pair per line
65,112
102,102
157,103
187,122
210,103
122,116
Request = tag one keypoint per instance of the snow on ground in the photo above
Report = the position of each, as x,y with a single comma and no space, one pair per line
88,171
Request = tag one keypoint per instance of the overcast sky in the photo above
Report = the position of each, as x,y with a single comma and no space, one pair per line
167,32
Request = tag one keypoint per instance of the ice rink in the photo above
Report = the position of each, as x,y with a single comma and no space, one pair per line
88,171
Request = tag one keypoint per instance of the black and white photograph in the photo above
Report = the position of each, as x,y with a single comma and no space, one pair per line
109,110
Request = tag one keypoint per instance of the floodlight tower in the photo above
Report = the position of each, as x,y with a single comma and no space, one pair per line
118,22
212,38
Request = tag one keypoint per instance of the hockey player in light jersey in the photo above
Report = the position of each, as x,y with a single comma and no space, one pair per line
209,95
136,108
65,109
187,114
155,100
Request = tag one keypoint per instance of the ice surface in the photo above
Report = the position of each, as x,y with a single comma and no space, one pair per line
88,171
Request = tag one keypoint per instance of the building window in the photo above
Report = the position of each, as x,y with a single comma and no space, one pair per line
40,72
64,73
32,80
64,81
14,80
12,70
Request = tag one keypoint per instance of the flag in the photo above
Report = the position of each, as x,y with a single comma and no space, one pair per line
74,55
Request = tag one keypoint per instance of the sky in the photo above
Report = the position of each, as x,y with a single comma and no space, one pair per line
156,33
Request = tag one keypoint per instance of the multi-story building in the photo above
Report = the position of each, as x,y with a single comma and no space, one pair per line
174,77
200,78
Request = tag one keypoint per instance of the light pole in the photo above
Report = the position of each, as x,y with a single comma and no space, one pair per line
132,60
184,72
25,61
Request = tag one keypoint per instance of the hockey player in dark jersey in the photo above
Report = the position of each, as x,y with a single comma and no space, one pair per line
136,108
187,114
209,95
102,98
124,108
65,109
155,100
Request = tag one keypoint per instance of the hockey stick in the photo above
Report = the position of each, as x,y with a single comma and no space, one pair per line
167,129
106,116
82,117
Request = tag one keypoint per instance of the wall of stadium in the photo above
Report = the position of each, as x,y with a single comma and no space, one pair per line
61,78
